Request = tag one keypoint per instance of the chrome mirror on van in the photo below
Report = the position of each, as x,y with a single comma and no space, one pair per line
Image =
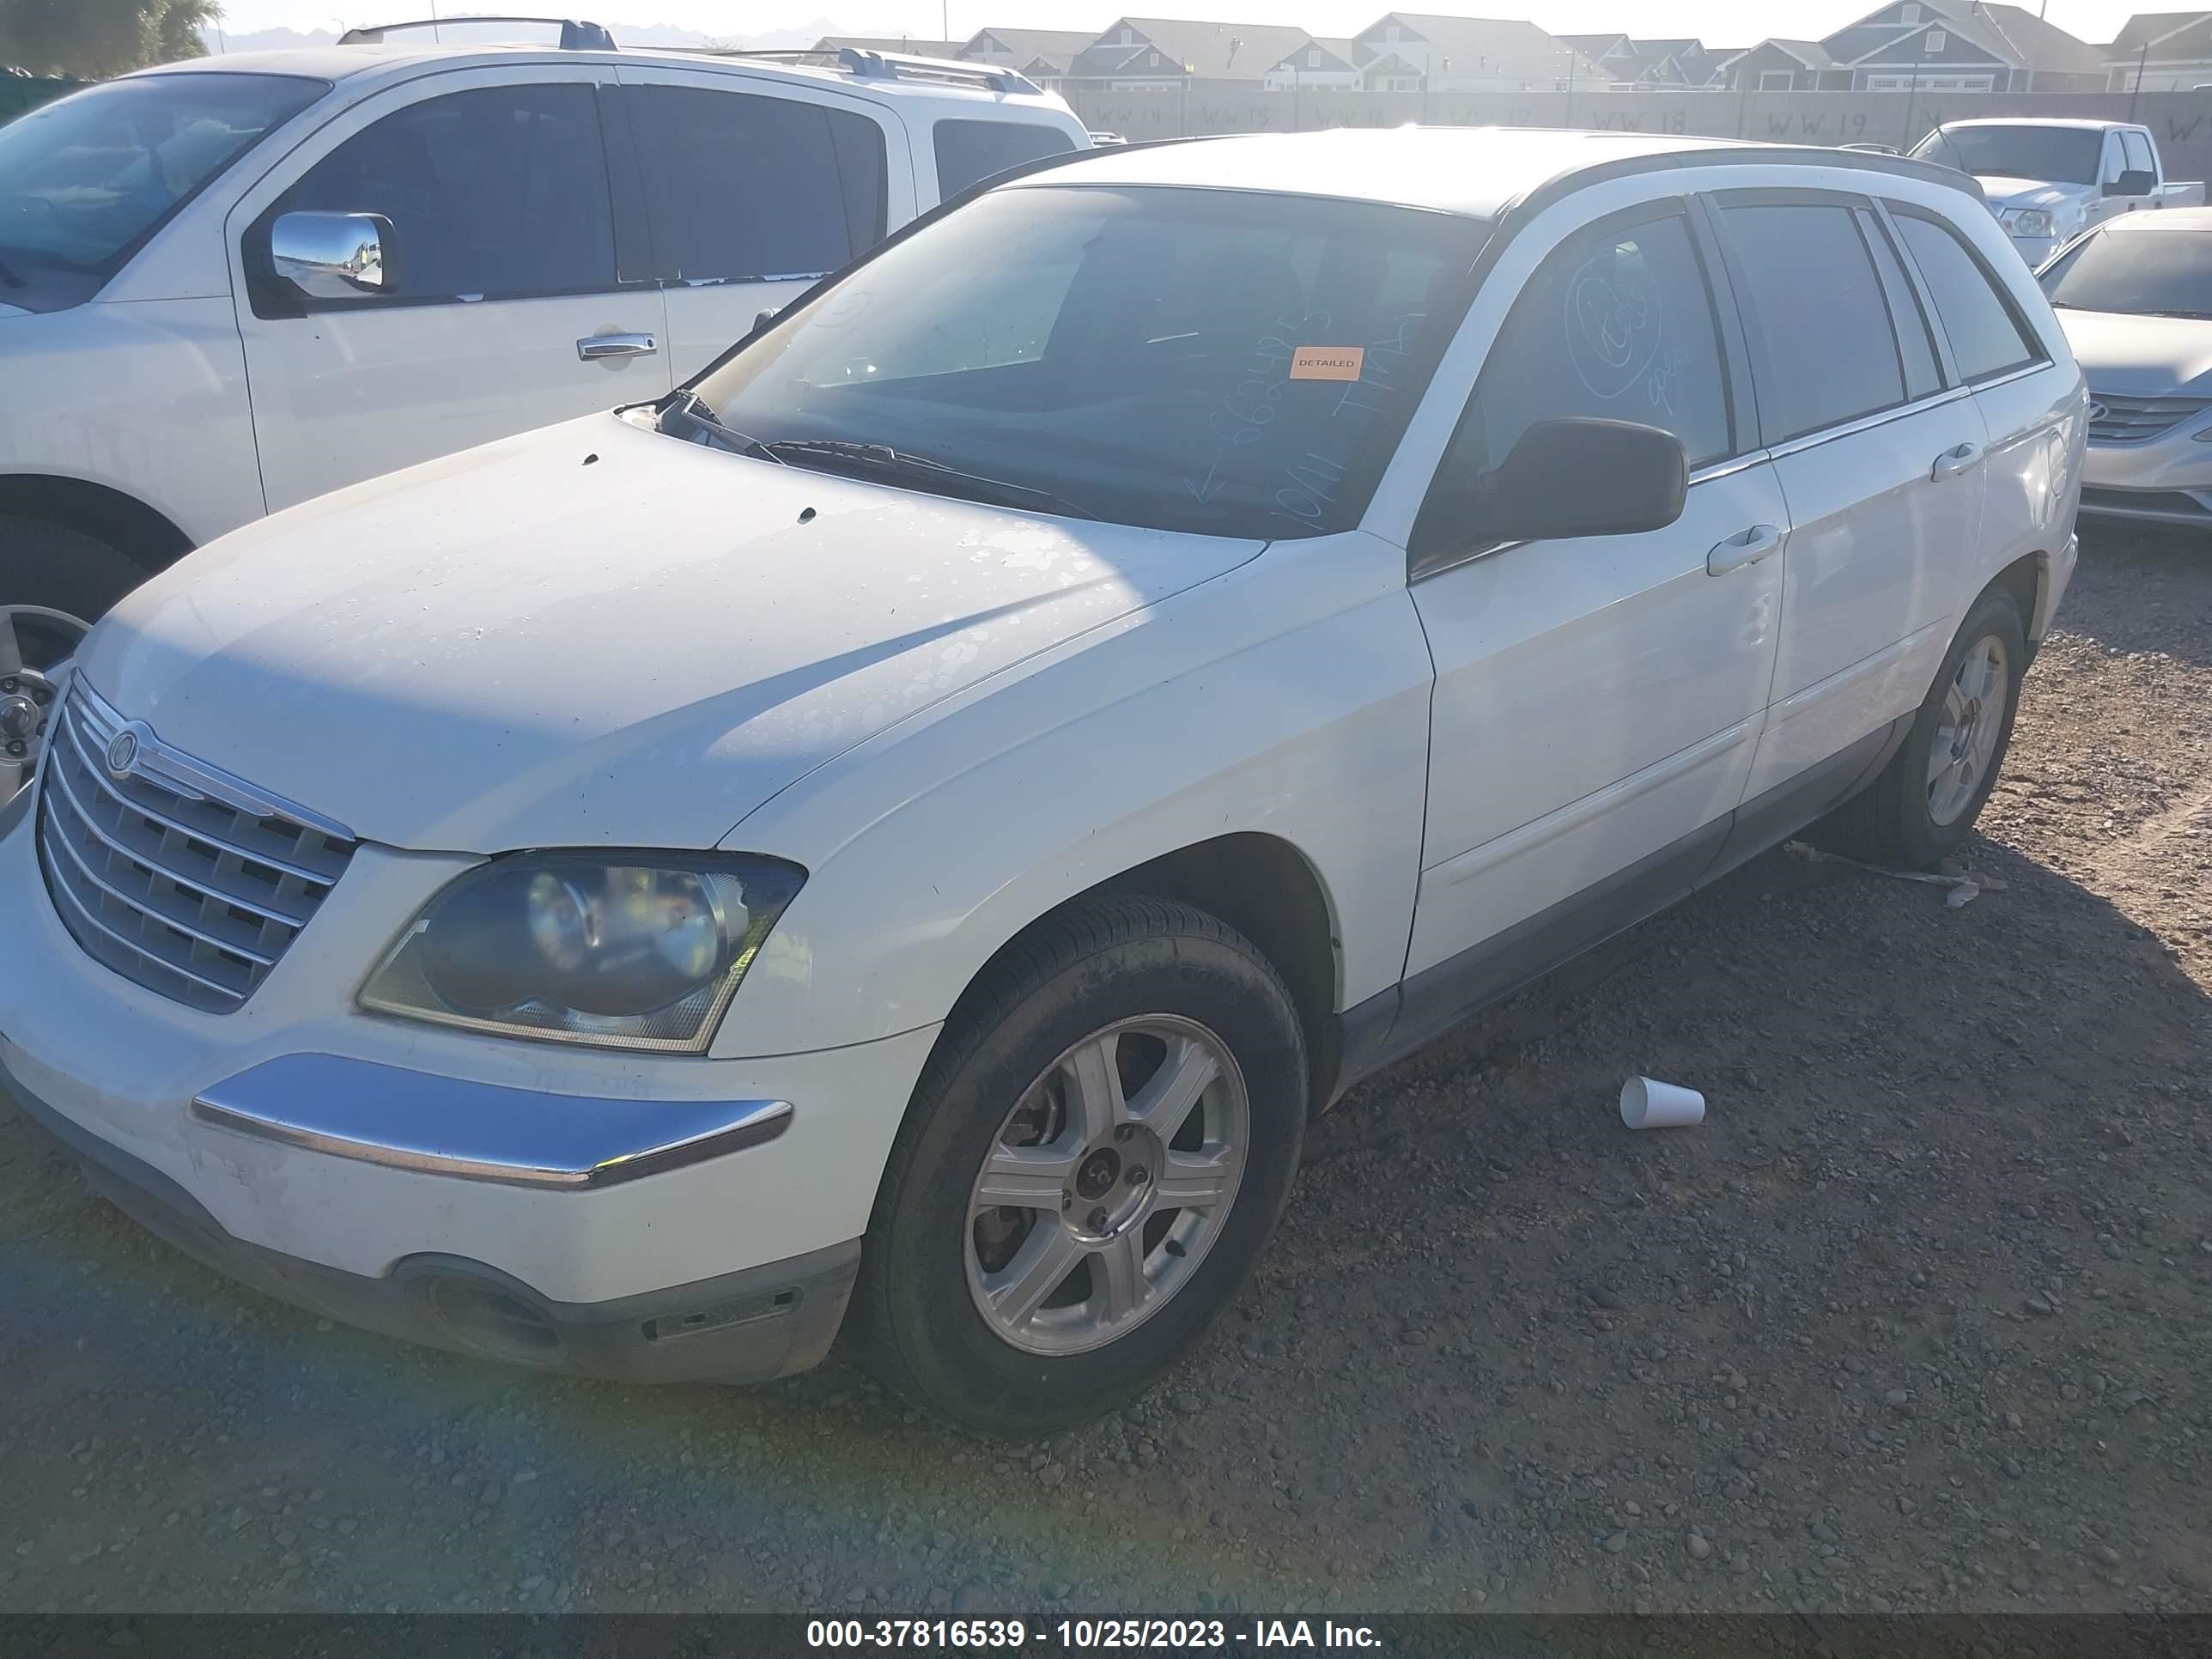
1582,477
331,256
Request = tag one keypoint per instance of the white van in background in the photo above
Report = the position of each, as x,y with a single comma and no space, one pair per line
230,285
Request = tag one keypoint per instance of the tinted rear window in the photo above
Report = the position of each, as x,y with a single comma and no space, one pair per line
1984,337
970,150
742,187
1818,304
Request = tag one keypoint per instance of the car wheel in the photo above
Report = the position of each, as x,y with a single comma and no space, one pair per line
1923,805
1094,1158
63,570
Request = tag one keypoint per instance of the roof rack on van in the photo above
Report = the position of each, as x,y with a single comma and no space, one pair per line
574,36
887,66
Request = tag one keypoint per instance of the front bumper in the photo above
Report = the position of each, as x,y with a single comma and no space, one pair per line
747,1326
2165,480
440,1185
2036,249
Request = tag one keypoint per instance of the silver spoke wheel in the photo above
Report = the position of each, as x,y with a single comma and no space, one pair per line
1966,732
1109,1181
34,642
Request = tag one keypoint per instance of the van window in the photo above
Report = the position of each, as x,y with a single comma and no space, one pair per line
1817,304
970,150
1616,324
493,193
741,188
1986,338
1915,342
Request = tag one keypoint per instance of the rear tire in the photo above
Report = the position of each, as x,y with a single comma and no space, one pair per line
1012,1319
48,564
1922,805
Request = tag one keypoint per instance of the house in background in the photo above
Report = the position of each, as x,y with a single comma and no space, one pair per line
888,43
1627,64
1419,52
1319,61
1931,46
2162,51
1785,66
1138,54
1038,55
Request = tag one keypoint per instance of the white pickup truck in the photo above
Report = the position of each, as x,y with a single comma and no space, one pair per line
2049,180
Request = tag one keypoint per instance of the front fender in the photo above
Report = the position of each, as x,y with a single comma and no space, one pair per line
1289,697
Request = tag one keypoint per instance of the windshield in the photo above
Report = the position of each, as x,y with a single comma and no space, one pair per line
2062,156
1225,363
84,180
2162,272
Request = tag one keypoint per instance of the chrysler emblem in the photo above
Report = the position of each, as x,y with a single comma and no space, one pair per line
122,752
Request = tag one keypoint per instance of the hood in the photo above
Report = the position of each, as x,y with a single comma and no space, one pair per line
2006,194
6,311
2140,357
519,647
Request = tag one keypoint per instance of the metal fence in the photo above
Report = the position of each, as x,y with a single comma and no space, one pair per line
2182,120
19,92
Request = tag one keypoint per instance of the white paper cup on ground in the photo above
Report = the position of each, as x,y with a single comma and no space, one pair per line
1648,1104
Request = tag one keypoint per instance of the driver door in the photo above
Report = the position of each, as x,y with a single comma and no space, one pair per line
1598,699
506,305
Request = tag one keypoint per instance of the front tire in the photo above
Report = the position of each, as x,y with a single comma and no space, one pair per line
1094,1158
1922,806
62,569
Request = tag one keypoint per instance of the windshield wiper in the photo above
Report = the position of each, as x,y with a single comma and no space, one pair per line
689,407
2197,316
919,469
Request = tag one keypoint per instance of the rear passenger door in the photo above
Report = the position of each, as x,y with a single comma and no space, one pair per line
2024,398
1598,699
1880,461
753,191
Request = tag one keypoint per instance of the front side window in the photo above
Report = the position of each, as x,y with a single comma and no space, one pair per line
2066,155
968,152
84,180
1816,301
2139,158
743,187
1617,324
497,192
1985,337
2148,273
1221,362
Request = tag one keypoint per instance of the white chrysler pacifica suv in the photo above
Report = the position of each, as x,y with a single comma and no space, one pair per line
900,835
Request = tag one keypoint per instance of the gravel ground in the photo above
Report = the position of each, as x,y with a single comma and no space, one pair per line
1915,1320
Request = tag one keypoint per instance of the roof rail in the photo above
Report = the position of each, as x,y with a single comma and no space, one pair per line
574,36
887,66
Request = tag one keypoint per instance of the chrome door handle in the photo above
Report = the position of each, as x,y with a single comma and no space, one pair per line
1745,547
594,347
1954,463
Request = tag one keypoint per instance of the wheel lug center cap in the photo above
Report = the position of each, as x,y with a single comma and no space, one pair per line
1096,1176
19,719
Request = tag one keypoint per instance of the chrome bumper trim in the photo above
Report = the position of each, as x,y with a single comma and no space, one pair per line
444,1126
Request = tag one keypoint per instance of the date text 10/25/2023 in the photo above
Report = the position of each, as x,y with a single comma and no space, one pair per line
1085,1635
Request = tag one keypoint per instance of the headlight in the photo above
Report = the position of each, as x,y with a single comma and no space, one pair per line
2033,223
637,951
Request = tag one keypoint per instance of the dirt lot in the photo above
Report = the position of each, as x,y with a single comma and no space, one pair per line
1917,1320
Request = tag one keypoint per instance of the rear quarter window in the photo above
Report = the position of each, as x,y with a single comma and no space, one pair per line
967,151
1987,336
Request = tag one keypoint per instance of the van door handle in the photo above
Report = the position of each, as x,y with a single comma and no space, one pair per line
592,348
1745,547
1954,463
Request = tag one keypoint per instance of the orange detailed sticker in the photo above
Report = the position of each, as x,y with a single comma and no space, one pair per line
1328,363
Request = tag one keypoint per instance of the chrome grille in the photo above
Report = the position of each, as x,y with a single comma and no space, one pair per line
2117,420
175,875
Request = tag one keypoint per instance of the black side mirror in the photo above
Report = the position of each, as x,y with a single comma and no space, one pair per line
1581,478
2134,182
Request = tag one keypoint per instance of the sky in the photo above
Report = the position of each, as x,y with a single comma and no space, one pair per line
1717,22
